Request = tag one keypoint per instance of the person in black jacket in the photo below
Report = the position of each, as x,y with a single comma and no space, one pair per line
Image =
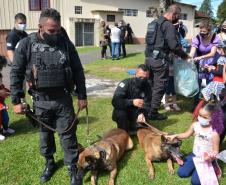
132,100
130,32
51,63
123,38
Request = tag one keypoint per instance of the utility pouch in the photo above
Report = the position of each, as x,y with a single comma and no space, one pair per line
155,54
48,122
30,78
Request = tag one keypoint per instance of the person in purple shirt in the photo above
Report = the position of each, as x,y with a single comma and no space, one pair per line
204,51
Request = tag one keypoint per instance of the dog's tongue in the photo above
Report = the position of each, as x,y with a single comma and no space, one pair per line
179,161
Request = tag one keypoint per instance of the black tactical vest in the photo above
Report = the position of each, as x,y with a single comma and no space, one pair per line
155,39
48,66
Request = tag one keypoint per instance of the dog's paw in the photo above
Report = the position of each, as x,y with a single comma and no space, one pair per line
151,177
172,172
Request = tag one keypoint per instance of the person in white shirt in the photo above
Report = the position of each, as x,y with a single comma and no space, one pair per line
222,34
115,40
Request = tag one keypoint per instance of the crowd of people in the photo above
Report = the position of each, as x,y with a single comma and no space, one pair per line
136,100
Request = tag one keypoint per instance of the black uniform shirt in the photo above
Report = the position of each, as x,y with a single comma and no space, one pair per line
173,43
13,38
127,91
19,67
123,31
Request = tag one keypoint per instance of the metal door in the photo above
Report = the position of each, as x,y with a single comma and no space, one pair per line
84,34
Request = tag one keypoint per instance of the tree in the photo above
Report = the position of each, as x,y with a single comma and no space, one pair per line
158,11
221,12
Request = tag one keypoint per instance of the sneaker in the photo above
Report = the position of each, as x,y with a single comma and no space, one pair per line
2,137
166,106
217,169
175,107
8,131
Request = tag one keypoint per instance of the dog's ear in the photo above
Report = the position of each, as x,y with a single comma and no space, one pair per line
80,148
89,159
171,133
163,138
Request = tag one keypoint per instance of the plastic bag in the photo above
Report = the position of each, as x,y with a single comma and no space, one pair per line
222,156
205,172
185,77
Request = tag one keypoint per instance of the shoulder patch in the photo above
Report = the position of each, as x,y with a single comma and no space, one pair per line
9,44
17,45
121,85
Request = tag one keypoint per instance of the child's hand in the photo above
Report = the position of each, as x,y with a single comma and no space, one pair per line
208,159
171,137
2,108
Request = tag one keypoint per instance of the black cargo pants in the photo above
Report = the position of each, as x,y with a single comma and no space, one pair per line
58,113
158,79
127,119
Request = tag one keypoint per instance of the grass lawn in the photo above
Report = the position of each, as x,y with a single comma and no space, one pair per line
21,163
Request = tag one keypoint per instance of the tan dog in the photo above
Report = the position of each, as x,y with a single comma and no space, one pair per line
104,155
158,148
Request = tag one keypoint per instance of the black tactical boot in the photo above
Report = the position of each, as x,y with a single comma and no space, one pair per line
154,115
72,172
195,105
51,167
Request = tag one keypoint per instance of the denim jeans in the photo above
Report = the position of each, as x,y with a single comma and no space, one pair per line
170,88
196,97
113,45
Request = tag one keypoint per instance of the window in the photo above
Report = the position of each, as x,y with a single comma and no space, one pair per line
78,9
148,13
38,5
110,18
129,12
183,16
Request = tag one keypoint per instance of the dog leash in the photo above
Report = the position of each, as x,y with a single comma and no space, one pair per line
153,129
61,132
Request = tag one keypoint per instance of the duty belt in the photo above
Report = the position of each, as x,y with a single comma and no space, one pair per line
161,54
48,97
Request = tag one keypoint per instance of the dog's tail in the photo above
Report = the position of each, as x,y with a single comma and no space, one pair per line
100,136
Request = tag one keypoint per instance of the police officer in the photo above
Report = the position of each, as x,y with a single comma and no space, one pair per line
131,100
161,40
51,63
108,31
123,38
16,35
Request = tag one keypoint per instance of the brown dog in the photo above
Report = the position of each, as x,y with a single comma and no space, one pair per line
158,148
104,154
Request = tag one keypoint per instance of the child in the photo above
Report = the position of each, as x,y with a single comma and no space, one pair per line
170,89
212,90
4,118
207,139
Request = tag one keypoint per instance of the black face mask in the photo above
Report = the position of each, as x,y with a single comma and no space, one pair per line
224,30
204,35
176,26
175,20
141,82
51,40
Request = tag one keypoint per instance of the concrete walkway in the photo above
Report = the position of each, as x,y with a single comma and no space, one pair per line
96,86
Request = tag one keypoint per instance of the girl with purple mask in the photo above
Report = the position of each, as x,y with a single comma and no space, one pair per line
207,132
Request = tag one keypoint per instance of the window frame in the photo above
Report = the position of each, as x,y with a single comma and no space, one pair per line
131,11
40,6
111,21
147,12
183,16
75,9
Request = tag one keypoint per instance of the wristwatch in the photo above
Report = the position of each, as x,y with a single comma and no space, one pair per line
202,57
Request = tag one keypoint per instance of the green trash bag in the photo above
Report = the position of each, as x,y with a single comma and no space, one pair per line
185,77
